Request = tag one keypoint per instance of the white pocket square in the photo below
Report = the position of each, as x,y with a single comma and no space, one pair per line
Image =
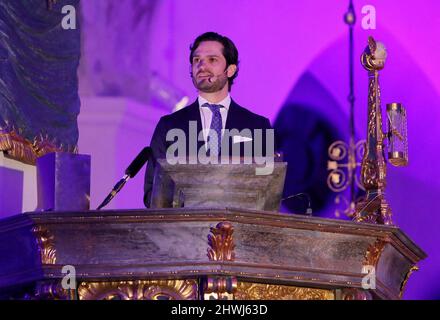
238,139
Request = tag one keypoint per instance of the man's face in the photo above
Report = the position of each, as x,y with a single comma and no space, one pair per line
209,63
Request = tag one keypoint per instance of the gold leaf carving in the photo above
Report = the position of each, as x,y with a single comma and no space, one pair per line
139,290
405,281
373,252
45,243
51,290
221,242
259,291
18,148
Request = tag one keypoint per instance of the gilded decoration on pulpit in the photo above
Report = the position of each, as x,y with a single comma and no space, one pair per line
221,242
45,243
259,291
139,290
373,252
51,290
405,281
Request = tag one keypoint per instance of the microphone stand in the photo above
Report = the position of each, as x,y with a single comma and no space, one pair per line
118,186
130,172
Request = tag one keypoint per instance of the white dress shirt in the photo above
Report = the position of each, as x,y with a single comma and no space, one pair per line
206,114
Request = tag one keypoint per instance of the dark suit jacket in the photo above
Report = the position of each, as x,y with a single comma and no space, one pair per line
238,118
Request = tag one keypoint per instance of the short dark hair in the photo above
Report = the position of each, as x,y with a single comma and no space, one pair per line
230,51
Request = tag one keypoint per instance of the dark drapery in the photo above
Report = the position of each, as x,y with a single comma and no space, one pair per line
38,70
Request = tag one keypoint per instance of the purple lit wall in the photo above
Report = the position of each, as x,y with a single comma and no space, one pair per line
289,48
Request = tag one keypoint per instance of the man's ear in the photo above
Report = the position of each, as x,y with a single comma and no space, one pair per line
232,68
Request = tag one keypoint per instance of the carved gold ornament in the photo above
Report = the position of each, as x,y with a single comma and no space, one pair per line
221,242
139,290
45,243
259,291
51,290
405,281
373,253
18,148
374,208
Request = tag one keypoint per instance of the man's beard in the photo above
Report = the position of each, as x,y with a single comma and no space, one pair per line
209,87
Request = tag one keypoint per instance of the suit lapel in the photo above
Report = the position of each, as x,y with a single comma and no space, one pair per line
232,118
194,115
232,122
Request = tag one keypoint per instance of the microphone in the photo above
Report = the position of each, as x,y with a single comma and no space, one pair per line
216,77
138,162
130,172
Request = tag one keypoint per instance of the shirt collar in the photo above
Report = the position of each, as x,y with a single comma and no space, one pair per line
226,102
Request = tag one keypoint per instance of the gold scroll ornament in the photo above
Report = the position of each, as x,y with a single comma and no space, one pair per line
139,290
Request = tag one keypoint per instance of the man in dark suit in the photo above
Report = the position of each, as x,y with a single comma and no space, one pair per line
214,123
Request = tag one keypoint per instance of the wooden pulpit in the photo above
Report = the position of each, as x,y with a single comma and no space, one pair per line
182,253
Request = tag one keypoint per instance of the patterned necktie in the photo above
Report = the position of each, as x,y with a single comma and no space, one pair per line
216,126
